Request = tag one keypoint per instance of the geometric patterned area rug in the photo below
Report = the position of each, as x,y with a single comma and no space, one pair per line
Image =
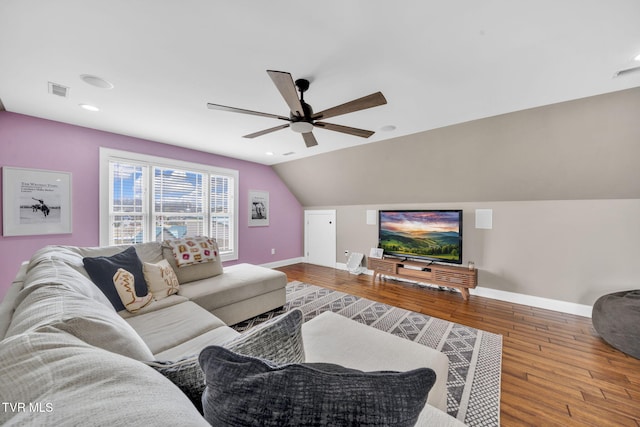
475,356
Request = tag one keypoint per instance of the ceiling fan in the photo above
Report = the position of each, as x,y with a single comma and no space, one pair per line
301,118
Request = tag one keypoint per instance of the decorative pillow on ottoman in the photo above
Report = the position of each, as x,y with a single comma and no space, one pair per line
246,391
187,375
103,269
278,340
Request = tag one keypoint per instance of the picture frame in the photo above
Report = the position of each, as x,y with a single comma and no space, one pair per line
258,208
376,253
35,202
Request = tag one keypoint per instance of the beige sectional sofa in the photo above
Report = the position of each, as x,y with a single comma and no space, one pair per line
67,357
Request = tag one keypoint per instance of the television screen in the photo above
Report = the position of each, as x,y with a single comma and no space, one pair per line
434,235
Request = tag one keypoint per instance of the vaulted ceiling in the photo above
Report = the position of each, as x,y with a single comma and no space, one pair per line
437,64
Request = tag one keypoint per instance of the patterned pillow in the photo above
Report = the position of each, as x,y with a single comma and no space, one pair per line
103,269
282,344
125,285
193,250
161,279
246,391
278,340
187,375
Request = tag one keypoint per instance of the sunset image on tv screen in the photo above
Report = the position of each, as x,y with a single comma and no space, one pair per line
422,234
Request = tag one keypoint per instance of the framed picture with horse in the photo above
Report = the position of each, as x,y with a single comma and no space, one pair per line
35,202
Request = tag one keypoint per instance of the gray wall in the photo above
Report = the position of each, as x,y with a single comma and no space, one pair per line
563,181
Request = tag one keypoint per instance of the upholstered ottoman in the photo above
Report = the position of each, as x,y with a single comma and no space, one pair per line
332,338
616,318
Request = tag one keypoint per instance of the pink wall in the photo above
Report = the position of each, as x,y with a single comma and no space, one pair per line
30,142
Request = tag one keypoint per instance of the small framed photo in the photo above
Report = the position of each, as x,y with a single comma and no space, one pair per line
35,202
376,253
258,208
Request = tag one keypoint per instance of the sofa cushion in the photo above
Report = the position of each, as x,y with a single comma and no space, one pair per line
278,340
161,279
82,317
173,325
246,391
193,272
102,270
68,382
238,283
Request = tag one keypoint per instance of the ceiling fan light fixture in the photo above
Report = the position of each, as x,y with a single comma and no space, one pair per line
301,127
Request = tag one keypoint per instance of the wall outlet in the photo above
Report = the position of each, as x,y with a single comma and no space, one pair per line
346,254
273,251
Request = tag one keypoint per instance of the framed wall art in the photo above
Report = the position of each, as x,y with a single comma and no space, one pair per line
258,208
35,202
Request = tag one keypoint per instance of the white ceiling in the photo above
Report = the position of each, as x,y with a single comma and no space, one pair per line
437,63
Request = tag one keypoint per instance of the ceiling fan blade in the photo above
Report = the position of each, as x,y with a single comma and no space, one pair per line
286,86
369,101
345,129
266,131
309,139
243,111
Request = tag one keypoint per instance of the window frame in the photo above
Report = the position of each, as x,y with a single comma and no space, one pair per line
108,155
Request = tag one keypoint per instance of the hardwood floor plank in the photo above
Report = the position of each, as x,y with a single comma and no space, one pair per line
556,370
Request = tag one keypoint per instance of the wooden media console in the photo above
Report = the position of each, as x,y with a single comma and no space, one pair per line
441,275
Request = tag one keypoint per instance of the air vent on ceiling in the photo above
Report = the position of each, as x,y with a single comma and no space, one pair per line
627,71
56,89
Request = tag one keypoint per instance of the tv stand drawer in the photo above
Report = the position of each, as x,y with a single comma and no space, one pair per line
419,274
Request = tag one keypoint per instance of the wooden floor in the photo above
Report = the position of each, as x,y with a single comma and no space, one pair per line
556,371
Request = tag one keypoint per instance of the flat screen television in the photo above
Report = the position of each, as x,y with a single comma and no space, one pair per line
434,235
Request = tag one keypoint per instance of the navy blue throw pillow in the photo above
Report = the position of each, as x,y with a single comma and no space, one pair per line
102,269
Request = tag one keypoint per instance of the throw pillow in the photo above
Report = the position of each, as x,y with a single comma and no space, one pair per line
102,269
278,340
187,375
161,279
246,391
193,250
125,285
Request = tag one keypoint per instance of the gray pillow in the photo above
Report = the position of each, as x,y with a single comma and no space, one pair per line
278,340
246,391
186,374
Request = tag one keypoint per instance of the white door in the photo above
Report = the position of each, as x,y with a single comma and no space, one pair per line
320,237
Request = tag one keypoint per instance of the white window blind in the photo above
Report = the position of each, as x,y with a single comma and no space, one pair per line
154,199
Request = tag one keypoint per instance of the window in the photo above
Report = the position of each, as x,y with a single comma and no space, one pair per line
146,198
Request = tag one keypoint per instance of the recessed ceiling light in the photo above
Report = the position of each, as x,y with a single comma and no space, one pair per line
388,128
96,81
637,58
269,153
89,107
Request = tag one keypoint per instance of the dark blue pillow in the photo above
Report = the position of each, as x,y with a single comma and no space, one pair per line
246,391
102,269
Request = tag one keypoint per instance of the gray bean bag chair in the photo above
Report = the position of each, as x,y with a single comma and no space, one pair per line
616,317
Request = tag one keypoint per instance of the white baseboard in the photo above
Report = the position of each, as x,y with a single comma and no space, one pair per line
516,298
283,262
533,301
